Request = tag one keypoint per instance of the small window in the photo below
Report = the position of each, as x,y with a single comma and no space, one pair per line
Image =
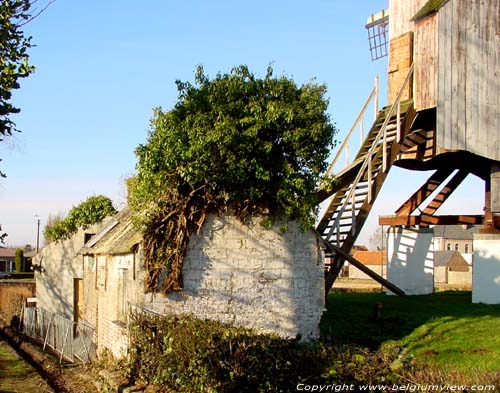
448,247
467,248
87,237
456,246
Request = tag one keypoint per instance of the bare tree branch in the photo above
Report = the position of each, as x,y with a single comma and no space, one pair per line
38,13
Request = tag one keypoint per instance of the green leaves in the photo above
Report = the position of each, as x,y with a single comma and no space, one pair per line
252,145
253,142
89,212
13,57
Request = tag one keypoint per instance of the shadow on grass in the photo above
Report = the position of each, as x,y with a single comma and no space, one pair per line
352,318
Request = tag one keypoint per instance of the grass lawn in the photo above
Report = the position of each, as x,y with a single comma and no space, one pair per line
445,329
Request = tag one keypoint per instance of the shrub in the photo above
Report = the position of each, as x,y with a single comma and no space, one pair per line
236,142
87,213
19,260
185,354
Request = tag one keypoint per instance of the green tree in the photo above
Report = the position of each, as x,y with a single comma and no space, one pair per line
19,260
237,141
3,235
13,57
89,212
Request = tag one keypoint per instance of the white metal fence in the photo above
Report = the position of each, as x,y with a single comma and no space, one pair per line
72,340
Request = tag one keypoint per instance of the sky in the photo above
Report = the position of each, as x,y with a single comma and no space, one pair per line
102,66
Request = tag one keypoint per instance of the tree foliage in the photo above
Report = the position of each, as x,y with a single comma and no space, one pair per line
13,57
89,212
237,141
19,260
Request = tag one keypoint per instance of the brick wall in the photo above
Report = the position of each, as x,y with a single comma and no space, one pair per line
13,294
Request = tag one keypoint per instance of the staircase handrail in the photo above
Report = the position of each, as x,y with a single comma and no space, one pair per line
366,161
345,143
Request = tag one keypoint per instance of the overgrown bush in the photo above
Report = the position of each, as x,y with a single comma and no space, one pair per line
185,354
87,213
19,260
238,142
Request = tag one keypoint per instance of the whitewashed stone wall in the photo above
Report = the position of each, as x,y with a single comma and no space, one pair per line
111,285
246,275
61,265
486,269
410,260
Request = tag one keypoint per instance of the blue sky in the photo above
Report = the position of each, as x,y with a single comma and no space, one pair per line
103,65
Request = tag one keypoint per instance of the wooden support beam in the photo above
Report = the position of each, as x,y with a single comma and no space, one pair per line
423,192
337,250
442,196
431,220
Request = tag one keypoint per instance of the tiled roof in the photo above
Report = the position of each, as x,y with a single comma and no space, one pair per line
441,258
371,257
456,232
452,259
119,237
6,252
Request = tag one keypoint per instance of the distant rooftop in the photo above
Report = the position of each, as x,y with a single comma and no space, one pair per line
6,252
371,257
457,232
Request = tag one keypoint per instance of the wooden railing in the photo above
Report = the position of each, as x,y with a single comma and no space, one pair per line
381,137
360,121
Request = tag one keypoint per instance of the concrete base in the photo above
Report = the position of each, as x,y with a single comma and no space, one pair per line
410,260
486,269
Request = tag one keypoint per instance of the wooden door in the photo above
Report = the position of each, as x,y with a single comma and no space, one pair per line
78,299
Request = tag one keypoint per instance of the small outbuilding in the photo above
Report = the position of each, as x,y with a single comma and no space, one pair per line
450,267
238,273
374,260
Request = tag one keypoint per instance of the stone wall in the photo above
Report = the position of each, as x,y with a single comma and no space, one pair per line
61,265
111,285
245,275
271,280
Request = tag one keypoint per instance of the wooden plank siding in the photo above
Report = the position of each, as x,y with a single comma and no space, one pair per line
400,14
468,115
425,57
400,60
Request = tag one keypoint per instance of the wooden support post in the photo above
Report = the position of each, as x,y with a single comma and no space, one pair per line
423,192
431,220
345,256
495,190
442,196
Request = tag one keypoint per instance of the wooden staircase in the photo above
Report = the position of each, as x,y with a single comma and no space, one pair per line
358,184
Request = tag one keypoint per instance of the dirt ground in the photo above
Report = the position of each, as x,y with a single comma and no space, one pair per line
46,374
16,375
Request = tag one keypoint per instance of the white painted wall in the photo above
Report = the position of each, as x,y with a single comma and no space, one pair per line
61,265
410,260
251,276
486,269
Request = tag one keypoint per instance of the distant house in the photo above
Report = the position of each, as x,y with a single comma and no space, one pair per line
450,267
455,238
374,260
7,260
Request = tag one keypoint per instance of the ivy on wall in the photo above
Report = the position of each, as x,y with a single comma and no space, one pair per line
87,213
